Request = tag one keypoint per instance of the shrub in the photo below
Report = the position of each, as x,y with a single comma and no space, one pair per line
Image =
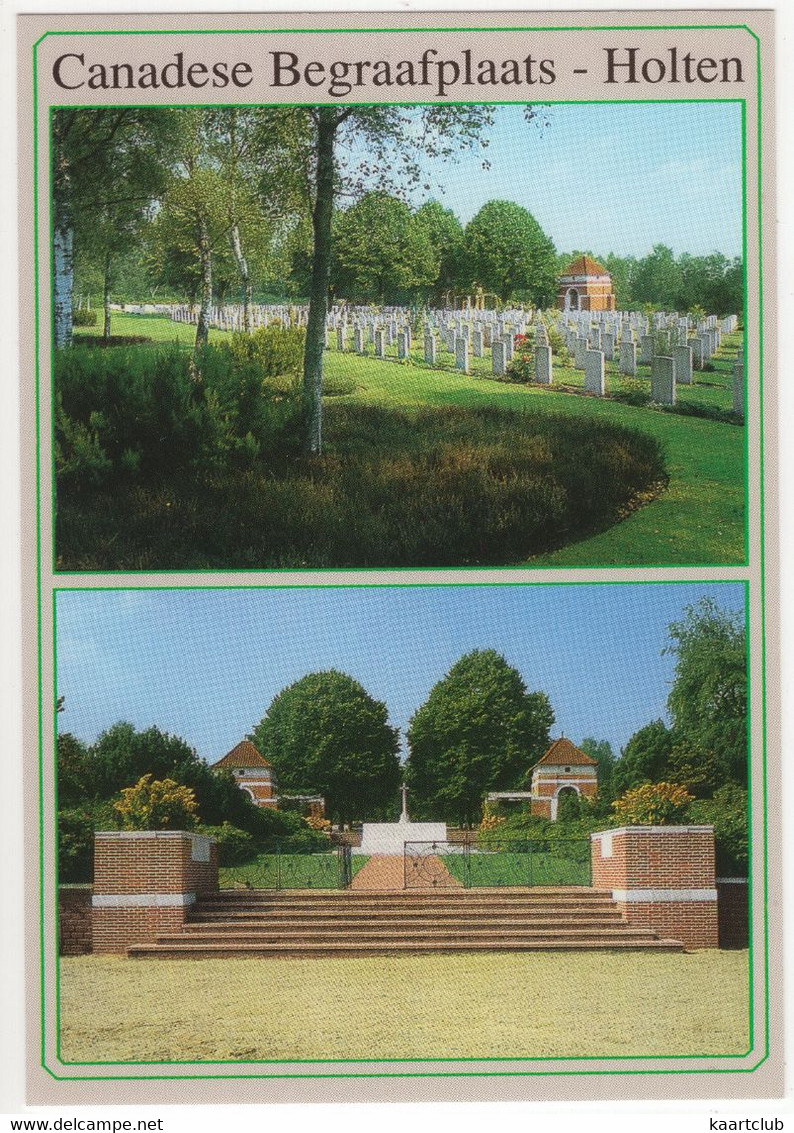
652,804
727,813
235,846
76,829
132,415
521,368
84,318
435,487
157,804
274,349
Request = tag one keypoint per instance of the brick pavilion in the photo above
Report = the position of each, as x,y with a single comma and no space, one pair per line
252,773
564,768
585,285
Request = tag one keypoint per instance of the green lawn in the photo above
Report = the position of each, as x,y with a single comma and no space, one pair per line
288,871
699,518
499,1005
505,867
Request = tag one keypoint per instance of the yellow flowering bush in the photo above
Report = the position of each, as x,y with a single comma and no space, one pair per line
652,804
315,822
157,804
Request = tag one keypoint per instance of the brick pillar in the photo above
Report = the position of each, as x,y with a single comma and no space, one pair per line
145,881
662,878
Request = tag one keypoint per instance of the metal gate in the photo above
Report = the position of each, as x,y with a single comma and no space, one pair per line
508,864
276,868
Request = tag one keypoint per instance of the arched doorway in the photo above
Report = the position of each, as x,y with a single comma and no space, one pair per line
567,791
571,299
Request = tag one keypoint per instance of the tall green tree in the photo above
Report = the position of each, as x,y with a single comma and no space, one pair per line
108,165
381,255
601,751
325,734
507,252
645,757
445,234
708,697
397,140
479,730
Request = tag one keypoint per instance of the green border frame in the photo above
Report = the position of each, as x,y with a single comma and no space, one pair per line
205,1074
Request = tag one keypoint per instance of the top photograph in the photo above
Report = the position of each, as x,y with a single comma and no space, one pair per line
398,336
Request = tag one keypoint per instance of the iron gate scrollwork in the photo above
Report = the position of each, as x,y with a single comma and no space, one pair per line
278,868
496,864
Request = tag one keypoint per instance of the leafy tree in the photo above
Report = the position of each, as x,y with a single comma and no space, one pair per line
108,165
644,758
445,234
122,755
73,770
479,730
157,804
326,734
396,140
601,751
381,255
506,251
708,697
727,813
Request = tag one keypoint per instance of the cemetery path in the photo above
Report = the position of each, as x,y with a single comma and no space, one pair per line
385,872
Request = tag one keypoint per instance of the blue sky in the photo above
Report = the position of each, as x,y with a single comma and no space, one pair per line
612,177
206,664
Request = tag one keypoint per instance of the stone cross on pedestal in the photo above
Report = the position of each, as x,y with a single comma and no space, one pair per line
404,813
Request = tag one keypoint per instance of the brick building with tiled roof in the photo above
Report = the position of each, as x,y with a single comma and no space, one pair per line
251,772
563,768
585,285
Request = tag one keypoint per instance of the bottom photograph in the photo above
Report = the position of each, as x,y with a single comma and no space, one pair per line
416,822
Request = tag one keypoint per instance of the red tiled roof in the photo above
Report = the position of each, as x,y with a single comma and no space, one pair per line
585,265
243,755
563,751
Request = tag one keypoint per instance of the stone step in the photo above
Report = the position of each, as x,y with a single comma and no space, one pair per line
397,901
365,933
410,920
192,950
452,893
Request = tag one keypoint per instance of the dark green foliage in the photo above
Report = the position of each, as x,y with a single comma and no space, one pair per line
506,252
727,813
74,773
435,487
141,416
275,350
235,846
601,751
84,318
479,730
644,758
708,699
98,342
326,734
76,827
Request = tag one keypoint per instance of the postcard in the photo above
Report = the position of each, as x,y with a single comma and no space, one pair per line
400,556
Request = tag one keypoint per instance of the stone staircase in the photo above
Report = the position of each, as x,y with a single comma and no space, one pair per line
239,923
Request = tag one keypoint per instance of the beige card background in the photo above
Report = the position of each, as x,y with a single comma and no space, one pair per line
748,35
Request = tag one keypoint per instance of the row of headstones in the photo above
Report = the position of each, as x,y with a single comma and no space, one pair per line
667,371
703,346
232,318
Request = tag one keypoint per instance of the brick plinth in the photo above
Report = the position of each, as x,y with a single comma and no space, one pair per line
74,920
661,877
146,881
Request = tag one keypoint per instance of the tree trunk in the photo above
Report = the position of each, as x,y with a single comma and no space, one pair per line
321,266
106,298
245,275
62,282
205,309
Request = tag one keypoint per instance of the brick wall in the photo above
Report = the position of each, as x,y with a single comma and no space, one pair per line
74,920
145,882
662,877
